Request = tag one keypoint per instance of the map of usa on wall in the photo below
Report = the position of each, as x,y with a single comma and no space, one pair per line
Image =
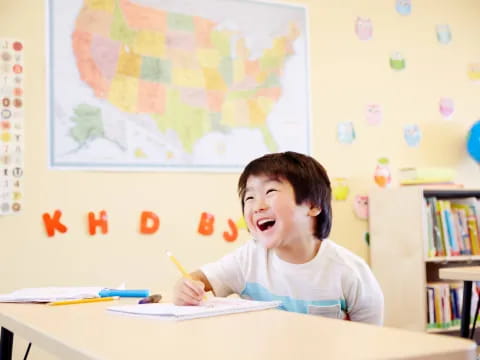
200,85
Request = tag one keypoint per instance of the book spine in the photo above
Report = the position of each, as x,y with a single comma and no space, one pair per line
431,307
430,248
437,227
452,236
472,229
443,221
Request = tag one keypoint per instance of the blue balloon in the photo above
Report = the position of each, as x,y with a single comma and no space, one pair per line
473,141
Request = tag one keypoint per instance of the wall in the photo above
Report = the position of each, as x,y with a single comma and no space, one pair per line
346,75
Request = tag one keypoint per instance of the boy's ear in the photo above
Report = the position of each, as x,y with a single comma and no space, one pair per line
314,211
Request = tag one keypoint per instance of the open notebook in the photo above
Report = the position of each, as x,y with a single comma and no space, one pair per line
212,307
51,293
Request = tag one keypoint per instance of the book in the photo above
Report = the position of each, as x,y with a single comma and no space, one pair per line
431,307
430,245
451,231
212,307
460,218
436,227
413,175
433,186
440,213
472,211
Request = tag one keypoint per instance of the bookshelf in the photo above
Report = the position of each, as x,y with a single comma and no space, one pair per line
399,252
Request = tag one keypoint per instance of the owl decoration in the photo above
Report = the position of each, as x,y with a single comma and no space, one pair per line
403,7
5,125
345,132
446,107
444,35
397,61
363,28
374,114
360,206
382,175
340,189
473,71
412,135
241,224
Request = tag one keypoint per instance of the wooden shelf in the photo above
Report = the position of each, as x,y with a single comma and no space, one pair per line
459,258
451,193
398,255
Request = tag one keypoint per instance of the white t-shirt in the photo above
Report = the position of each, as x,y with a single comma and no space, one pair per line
334,283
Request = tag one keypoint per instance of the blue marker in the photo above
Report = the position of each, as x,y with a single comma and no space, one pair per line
124,293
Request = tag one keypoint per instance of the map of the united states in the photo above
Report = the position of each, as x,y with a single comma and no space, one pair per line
188,73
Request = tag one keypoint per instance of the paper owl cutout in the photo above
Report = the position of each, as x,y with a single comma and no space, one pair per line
340,189
446,107
360,206
382,175
363,28
241,224
345,132
374,114
444,35
404,7
473,71
397,61
412,135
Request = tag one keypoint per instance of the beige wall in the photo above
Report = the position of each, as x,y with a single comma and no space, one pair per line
346,75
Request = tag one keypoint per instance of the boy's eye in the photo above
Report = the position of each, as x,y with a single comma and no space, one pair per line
271,190
248,198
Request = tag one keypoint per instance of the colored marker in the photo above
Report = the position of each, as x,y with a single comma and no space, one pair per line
124,293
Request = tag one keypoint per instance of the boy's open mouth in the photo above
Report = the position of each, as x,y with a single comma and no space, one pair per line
265,224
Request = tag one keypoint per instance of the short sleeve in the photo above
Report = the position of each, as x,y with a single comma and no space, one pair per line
227,275
364,297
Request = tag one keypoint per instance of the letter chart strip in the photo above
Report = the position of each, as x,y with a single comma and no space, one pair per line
11,126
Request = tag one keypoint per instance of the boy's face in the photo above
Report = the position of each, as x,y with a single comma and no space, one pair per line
272,215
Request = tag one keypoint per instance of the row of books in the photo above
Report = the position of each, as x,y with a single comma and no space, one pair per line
452,226
444,304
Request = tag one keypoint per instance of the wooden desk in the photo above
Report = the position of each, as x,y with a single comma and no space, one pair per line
88,331
467,274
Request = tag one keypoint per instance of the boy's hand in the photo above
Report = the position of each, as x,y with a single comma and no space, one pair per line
188,292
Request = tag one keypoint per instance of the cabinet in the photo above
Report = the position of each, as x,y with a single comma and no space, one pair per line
398,252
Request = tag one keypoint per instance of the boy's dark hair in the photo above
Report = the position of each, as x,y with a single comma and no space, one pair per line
307,176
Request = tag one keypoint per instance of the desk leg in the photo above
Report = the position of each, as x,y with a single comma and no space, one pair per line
6,344
467,303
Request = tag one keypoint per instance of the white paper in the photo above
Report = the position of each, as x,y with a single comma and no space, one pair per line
49,294
212,307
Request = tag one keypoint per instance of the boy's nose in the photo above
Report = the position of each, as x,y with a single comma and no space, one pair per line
260,206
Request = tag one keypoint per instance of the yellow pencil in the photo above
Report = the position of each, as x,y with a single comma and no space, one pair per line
178,265
81,301
181,268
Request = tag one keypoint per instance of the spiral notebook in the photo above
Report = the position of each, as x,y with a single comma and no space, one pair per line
212,307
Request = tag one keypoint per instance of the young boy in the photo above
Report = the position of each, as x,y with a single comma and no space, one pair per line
286,204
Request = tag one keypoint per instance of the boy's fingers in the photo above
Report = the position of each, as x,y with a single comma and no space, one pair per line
188,298
195,287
